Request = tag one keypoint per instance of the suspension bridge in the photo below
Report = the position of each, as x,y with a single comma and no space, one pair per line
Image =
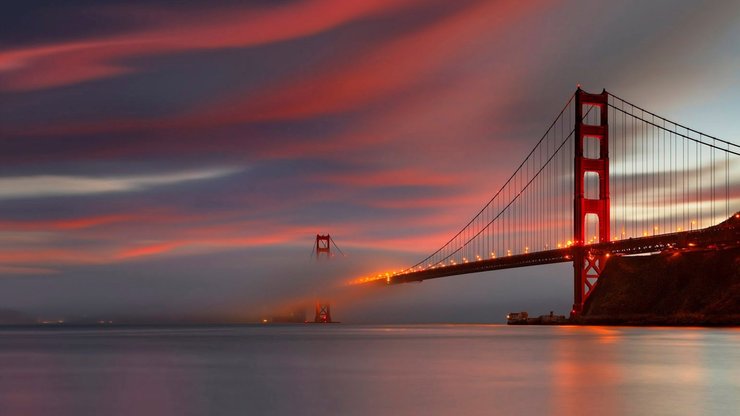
608,177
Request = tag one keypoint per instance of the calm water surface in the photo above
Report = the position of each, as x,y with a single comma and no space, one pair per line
370,370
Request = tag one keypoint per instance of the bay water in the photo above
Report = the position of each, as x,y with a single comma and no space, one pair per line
340,369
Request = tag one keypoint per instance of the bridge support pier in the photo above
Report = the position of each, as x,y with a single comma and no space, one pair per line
323,313
587,265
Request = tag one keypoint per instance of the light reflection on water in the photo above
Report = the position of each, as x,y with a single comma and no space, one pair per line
370,370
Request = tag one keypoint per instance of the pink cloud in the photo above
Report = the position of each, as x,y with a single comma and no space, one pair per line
339,85
441,202
68,224
72,62
384,71
48,256
394,177
206,239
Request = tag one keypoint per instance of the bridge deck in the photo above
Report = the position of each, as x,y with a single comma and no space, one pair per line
721,235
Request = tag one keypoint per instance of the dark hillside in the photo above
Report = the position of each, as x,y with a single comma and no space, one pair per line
670,288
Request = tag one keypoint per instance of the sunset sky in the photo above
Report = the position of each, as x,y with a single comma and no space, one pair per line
175,160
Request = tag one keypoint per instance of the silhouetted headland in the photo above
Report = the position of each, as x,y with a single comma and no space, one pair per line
675,287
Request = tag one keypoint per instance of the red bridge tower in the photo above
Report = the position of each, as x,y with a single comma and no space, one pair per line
588,264
323,246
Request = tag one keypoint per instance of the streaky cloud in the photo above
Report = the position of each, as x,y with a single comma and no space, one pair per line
42,186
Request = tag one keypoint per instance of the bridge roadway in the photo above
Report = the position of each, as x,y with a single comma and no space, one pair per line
725,234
